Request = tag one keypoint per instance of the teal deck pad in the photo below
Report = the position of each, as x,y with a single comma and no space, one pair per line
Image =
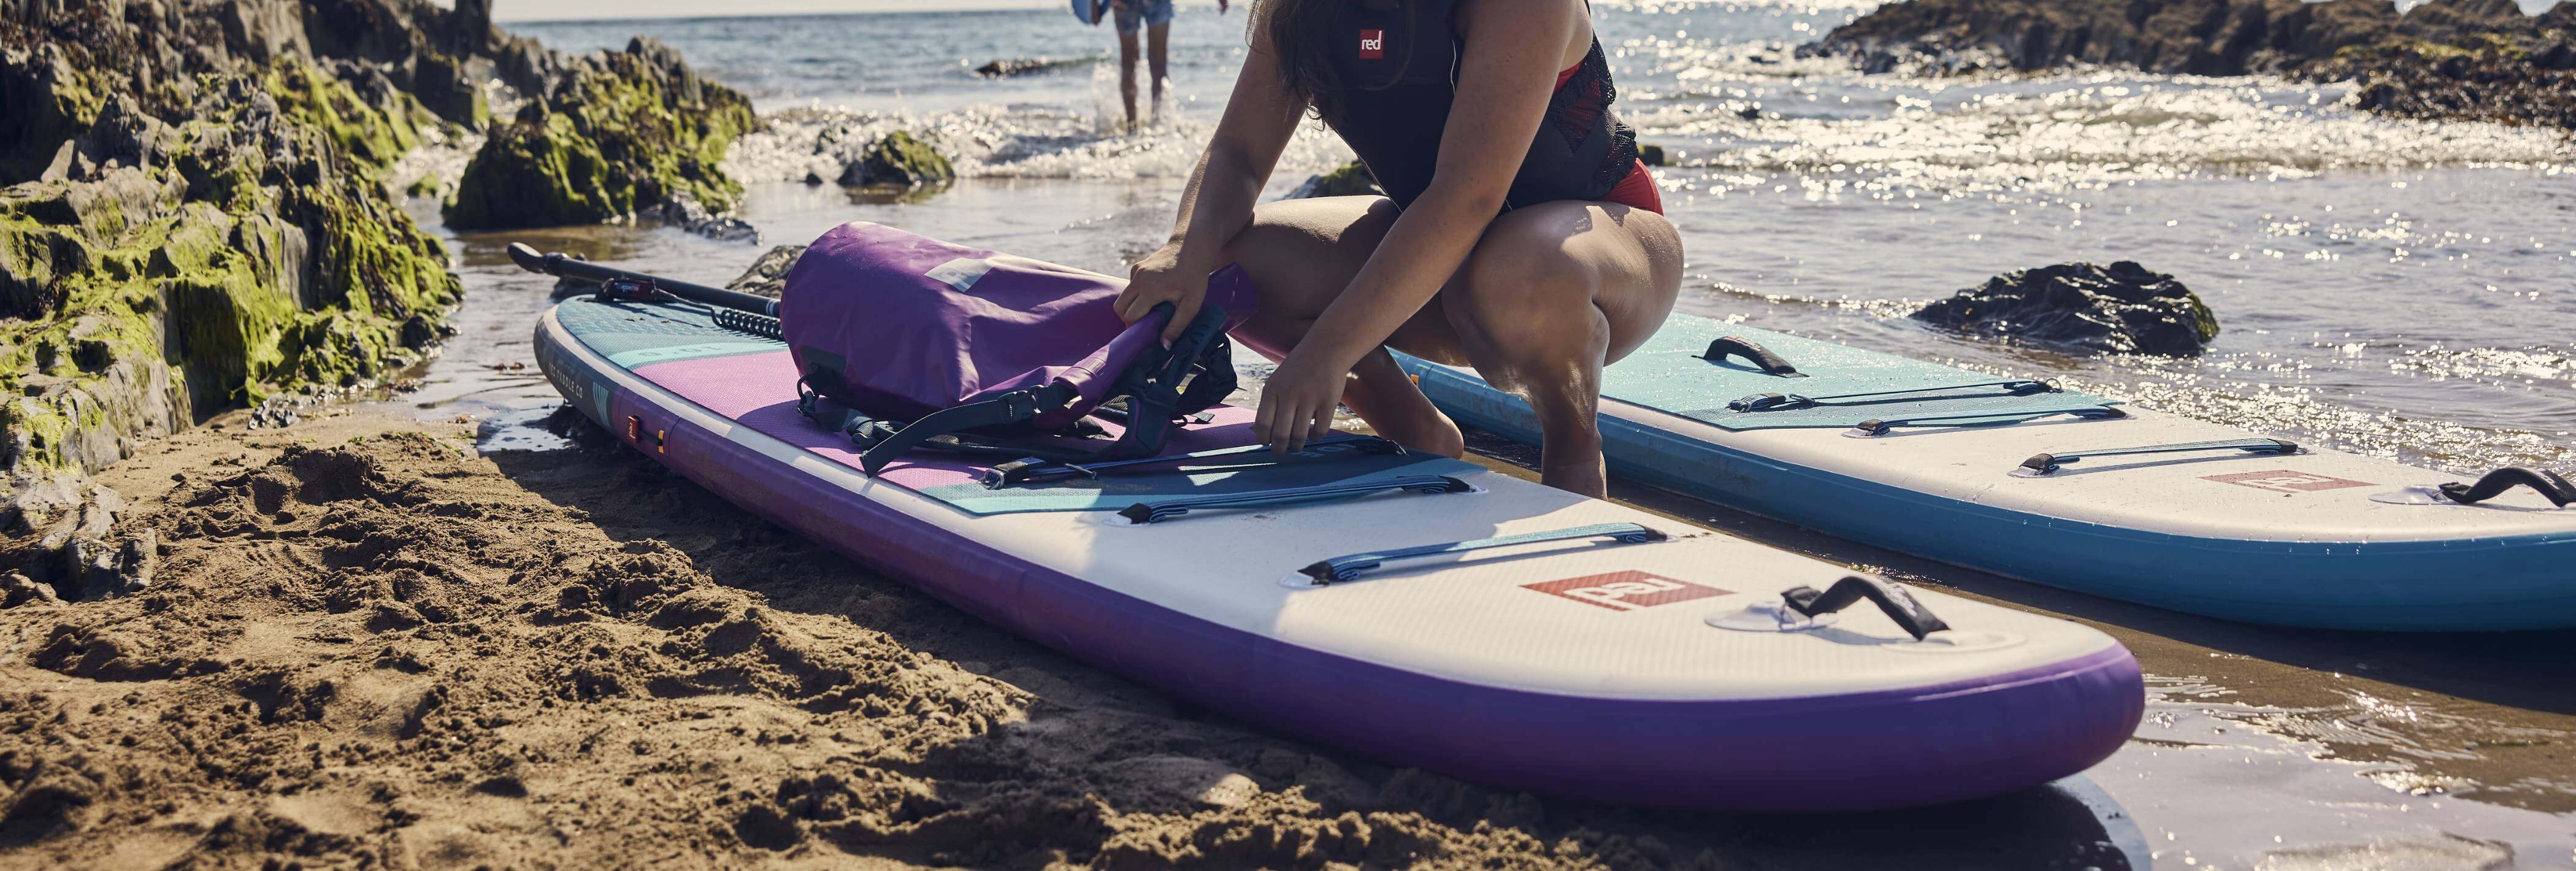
633,334
1668,375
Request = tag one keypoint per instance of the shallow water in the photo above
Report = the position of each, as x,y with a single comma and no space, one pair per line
2398,288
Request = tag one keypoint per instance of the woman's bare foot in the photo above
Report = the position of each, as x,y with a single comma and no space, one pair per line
1427,431
1381,393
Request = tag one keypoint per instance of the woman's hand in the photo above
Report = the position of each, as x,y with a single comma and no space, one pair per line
1160,278
1297,401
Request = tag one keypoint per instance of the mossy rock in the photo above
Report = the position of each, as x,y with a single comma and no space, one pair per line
264,255
1351,179
44,101
623,131
901,160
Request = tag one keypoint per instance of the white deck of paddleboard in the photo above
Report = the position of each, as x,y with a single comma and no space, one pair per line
2169,493
1470,619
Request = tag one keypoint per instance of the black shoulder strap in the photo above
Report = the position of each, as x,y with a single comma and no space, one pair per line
1014,407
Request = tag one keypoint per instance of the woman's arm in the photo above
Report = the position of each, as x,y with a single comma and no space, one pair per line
1507,72
1217,201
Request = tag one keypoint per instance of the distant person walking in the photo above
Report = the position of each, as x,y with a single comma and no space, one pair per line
1154,17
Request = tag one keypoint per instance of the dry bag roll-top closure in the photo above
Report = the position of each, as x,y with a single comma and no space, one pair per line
909,343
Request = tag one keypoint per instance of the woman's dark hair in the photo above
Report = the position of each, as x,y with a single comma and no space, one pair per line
1302,38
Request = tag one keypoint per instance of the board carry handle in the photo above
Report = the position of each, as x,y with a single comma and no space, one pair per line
1343,569
2550,484
1782,401
565,266
1878,427
2049,462
1891,599
1156,512
1036,469
1770,362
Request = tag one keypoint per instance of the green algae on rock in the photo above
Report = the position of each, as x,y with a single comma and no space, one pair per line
621,132
1348,180
898,159
194,219
259,255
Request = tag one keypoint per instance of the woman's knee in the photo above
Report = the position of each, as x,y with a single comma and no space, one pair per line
1525,295
1300,253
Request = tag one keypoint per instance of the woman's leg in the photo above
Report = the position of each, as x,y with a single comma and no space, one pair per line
1552,293
1127,53
1158,62
1301,254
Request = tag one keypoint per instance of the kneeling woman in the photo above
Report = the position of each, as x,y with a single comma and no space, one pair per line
1519,234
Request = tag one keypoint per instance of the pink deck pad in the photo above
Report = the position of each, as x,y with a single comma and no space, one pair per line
759,391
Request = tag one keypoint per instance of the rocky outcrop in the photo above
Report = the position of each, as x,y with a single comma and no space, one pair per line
1021,66
196,214
1348,180
208,223
768,275
2124,308
897,159
2481,59
615,133
687,214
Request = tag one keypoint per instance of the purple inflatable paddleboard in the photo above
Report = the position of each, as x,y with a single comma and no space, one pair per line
1497,630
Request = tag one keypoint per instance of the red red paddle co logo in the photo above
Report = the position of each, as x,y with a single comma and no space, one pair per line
1625,591
1372,44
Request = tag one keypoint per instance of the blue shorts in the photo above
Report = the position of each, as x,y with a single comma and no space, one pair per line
1133,15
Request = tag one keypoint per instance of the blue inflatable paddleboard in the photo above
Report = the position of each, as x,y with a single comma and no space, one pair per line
2016,477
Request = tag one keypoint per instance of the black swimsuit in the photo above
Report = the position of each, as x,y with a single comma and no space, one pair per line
1398,72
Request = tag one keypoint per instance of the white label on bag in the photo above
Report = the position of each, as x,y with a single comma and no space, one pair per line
961,273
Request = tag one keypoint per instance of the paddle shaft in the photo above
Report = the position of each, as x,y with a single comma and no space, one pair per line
567,267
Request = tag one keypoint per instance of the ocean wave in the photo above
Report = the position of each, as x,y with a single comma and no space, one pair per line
1754,107
1017,141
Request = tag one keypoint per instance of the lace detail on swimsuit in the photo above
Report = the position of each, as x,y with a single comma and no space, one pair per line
1577,108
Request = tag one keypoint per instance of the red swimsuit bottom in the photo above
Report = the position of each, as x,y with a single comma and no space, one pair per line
1637,189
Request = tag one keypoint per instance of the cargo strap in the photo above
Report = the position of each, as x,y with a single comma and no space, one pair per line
1898,604
1157,512
1738,346
1784,401
885,441
1878,427
1029,470
1342,569
2049,462
2550,485
1194,373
